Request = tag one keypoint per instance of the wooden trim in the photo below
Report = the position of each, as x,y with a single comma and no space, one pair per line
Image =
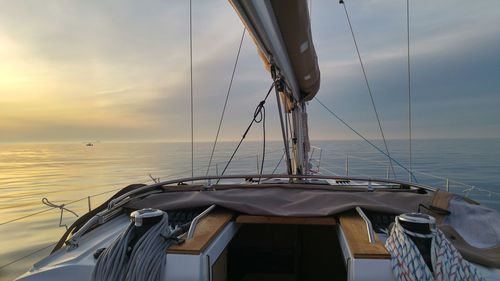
354,228
206,230
246,219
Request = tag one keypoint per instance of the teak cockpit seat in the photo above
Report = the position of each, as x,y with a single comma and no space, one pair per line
363,260
206,230
356,234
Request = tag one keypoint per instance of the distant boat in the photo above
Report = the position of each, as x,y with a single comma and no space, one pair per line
89,144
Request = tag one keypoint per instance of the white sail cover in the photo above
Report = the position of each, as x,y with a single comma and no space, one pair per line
281,30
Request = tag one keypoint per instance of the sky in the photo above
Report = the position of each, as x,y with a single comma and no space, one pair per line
118,70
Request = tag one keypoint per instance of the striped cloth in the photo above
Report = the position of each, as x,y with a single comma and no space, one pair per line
409,265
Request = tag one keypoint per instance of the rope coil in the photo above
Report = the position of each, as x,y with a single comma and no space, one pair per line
259,116
147,259
409,265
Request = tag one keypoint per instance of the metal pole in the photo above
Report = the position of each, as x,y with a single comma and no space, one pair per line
320,155
409,88
447,185
88,201
347,165
284,133
257,163
299,138
191,84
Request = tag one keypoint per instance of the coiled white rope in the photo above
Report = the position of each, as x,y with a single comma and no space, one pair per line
112,261
409,265
147,260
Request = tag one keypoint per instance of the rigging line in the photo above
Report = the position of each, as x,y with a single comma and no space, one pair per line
409,83
257,118
40,212
368,86
26,216
289,127
365,139
53,207
28,255
62,208
263,112
191,83
279,162
66,204
225,103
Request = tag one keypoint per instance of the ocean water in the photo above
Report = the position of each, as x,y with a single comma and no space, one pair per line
64,173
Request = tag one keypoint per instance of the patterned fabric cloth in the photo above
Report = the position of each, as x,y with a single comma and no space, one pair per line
409,265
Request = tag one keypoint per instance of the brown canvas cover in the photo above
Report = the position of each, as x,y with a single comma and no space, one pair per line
293,22
295,26
486,224
284,200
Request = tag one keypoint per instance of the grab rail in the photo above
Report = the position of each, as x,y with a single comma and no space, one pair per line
195,221
369,228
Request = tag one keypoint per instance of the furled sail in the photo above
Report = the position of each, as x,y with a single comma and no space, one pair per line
281,30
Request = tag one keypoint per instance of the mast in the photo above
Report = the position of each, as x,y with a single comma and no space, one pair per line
296,134
282,33
300,140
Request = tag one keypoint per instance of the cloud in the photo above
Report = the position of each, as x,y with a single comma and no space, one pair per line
120,69
454,70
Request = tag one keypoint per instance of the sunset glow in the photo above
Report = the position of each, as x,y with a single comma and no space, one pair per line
114,70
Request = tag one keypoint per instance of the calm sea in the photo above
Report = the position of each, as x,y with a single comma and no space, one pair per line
63,173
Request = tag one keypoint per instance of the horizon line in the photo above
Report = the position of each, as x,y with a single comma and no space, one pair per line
229,141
